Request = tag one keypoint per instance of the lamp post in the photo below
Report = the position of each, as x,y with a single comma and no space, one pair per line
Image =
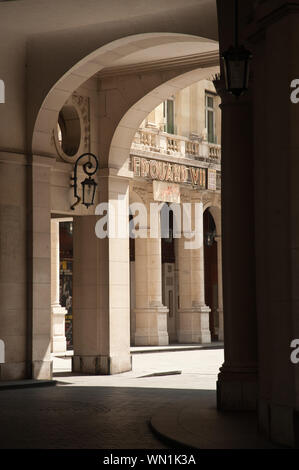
236,63
88,185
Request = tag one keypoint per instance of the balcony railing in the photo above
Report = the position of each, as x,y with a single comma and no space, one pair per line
154,140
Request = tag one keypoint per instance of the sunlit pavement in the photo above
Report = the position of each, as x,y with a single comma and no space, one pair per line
198,369
107,412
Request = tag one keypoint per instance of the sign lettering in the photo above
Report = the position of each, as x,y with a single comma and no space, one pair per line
199,178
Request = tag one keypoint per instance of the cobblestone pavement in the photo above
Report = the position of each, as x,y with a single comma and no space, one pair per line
106,412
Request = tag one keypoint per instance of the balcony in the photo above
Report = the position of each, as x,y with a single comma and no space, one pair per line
154,140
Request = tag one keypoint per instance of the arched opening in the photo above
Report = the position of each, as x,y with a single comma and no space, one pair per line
119,56
169,274
179,269
66,277
69,130
61,293
124,98
211,273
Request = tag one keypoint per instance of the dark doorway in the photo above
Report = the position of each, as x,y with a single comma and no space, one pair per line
66,277
211,272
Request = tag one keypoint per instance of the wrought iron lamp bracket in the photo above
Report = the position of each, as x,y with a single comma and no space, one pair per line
88,169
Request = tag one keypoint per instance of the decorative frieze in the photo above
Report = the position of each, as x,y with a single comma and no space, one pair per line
153,169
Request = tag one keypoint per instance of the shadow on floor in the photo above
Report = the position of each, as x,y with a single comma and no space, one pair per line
95,417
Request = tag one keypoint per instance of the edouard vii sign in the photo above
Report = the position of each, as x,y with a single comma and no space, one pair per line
199,178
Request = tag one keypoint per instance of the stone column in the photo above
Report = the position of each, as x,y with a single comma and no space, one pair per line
184,327
193,313
39,362
220,290
237,381
57,312
101,286
14,293
276,144
151,314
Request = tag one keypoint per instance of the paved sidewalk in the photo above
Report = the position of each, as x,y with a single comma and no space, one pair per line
200,426
105,412
114,412
199,371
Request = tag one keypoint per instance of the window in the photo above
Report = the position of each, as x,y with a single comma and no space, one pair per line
210,118
168,113
69,130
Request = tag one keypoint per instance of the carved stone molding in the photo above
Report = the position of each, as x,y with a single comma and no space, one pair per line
141,191
82,107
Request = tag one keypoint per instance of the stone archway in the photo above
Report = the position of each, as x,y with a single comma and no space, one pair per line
118,124
46,104
124,133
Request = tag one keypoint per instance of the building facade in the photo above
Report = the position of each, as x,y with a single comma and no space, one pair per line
176,159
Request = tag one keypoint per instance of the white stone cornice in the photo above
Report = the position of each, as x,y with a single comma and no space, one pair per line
207,59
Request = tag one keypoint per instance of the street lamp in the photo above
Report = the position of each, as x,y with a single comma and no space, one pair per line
88,185
209,229
210,237
236,64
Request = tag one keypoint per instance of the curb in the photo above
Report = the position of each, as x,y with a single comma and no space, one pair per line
27,384
176,349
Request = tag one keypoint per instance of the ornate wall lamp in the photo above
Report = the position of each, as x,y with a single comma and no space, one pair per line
88,185
209,228
236,63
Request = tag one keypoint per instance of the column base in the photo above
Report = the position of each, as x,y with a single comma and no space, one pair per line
237,389
59,344
151,326
102,365
280,423
42,370
220,328
194,325
58,329
13,371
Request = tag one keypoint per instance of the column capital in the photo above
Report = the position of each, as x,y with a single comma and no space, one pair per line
197,198
39,160
268,12
117,173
